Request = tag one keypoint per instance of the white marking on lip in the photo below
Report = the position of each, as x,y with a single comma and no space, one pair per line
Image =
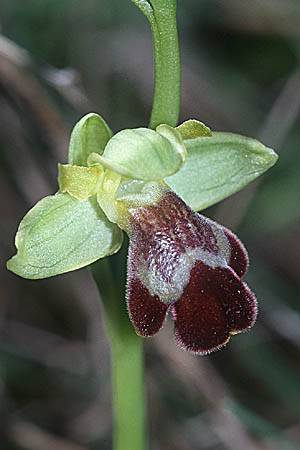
179,273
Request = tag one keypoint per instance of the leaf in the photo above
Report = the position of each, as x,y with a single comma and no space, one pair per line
143,154
79,181
192,128
89,135
60,234
218,166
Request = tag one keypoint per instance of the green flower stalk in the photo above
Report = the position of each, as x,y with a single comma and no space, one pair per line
149,183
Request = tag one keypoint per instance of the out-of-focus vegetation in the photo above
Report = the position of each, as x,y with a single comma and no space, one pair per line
62,58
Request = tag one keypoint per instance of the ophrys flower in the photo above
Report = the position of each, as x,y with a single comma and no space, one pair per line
144,182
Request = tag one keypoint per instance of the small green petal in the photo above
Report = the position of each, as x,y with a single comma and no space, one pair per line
143,154
79,181
219,166
60,234
192,129
89,135
106,195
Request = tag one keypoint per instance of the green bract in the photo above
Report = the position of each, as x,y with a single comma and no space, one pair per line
218,166
106,175
60,234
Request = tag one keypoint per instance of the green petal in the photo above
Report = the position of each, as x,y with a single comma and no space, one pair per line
60,234
192,128
218,166
106,195
79,181
143,154
89,135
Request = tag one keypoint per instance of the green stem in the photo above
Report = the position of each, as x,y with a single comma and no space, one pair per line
127,359
128,393
166,101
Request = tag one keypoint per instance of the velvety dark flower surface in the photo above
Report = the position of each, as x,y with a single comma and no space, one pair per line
184,264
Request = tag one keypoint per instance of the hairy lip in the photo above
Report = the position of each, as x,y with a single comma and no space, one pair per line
182,262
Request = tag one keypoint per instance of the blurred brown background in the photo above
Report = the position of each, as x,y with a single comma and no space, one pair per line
62,58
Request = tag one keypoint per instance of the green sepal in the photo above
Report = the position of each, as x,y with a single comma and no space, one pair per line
60,234
173,136
219,166
192,128
89,135
79,181
143,154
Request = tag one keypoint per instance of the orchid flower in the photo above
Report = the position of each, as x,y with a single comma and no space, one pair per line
149,183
